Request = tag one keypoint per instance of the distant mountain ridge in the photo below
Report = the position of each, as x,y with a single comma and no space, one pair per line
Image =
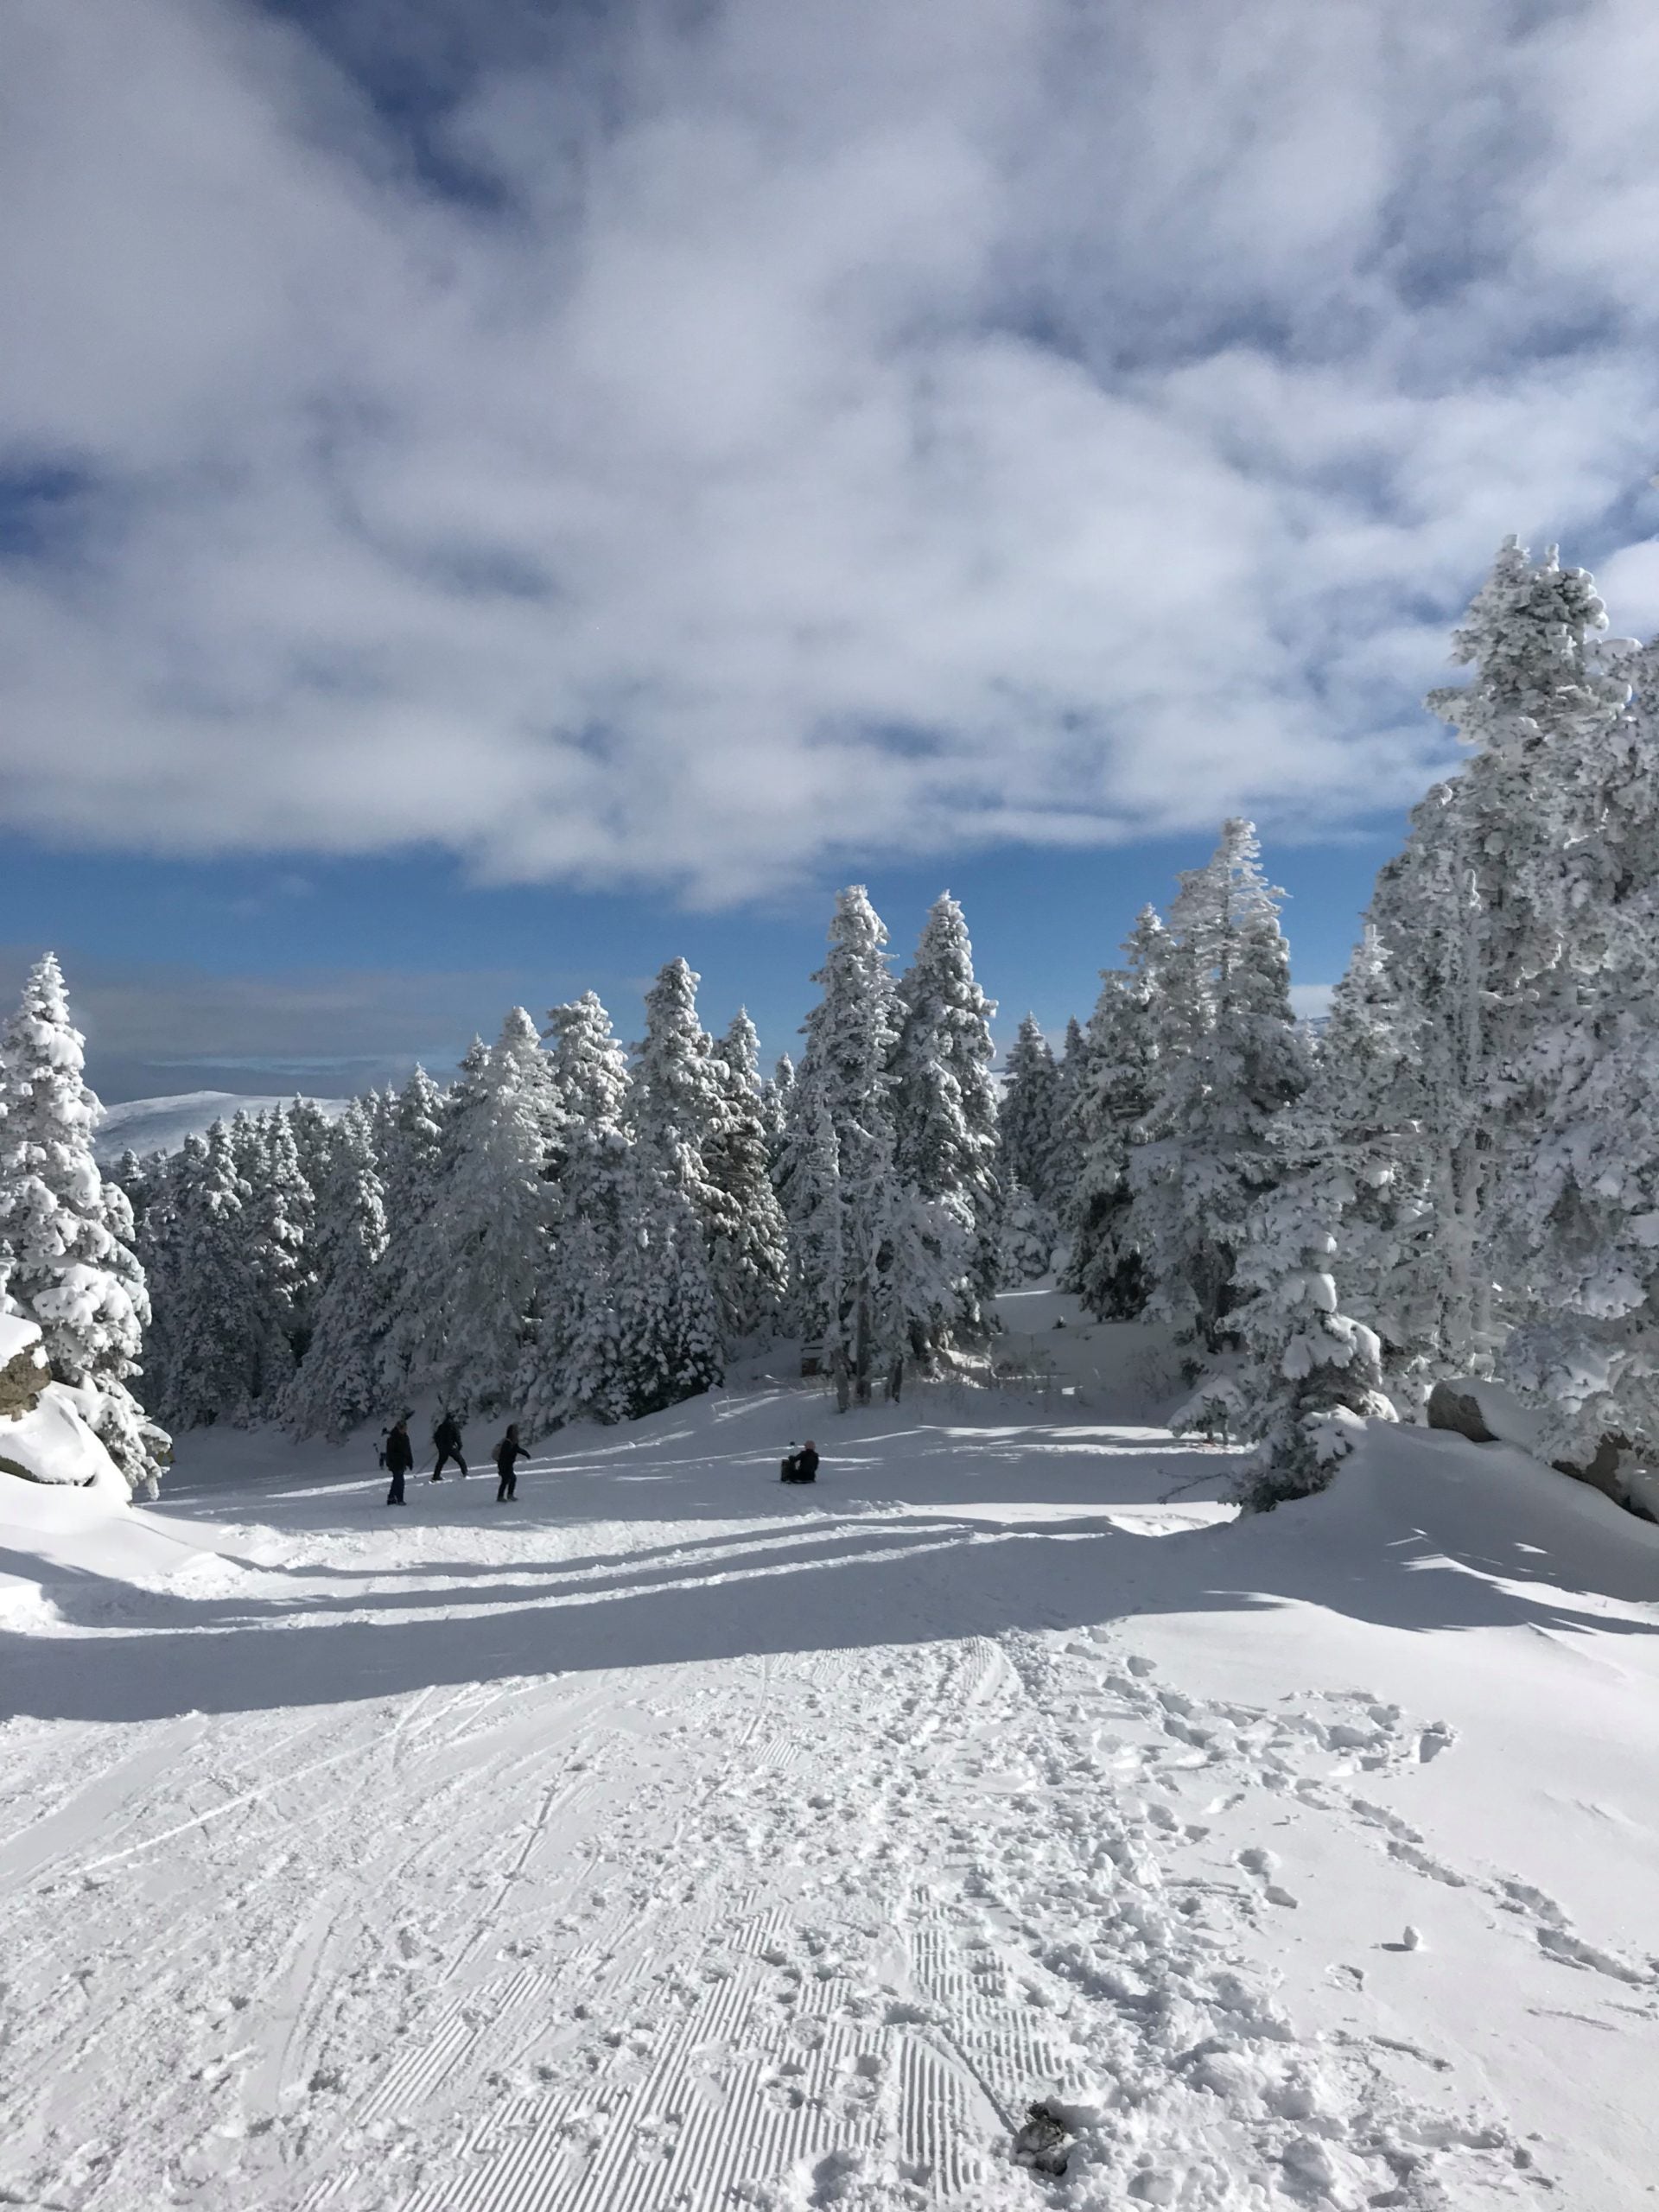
147,1125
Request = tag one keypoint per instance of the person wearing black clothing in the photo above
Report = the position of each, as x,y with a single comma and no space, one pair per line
802,1466
446,1437
399,1459
508,1453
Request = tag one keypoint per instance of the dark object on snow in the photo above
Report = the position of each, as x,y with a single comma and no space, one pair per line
508,1453
802,1466
1450,1407
1043,2144
397,1458
446,1439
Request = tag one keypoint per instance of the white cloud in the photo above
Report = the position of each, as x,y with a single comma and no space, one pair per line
847,429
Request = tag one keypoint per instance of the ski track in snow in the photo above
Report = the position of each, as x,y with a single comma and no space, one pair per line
785,1931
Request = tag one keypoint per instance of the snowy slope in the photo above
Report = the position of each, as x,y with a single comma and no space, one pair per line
673,1839
146,1125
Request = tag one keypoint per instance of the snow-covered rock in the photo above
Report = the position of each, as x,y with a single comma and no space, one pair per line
23,1370
44,1435
1486,1413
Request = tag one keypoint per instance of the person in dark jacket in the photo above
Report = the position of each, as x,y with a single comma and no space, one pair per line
446,1439
400,1458
806,1463
508,1453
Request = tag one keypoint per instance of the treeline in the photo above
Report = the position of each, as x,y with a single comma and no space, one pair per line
572,1230
1458,1176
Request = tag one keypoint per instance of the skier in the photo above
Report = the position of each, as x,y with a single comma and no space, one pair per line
446,1439
399,1459
508,1453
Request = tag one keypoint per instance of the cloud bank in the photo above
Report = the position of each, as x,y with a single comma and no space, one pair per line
688,447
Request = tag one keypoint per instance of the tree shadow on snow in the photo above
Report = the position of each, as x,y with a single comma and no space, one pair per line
793,1583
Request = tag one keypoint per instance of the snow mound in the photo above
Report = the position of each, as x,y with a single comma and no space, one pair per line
46,1440
50,1448
147,1125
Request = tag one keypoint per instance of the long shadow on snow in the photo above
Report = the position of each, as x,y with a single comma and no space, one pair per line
983,1583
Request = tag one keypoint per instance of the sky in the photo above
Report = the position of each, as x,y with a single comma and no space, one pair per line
496,494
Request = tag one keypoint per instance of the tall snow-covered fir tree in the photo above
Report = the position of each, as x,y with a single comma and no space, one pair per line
1115,1088
1028,1118
667,1339
495,1210
1027,1156
1069,1070
412,1163
338,1383
1472,913
1355,1138
71,1269
206,1350
749,1248
440,1252
775,1094
577,1368
944,1105
1576,1205
1230,1057
844,1086
679,1097
1343,1200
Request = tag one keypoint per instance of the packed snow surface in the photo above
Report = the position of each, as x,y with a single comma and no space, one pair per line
147,1125
670,1838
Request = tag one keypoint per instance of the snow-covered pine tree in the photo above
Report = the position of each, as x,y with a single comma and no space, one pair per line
577,1368
748,1249
412,1160
1230,1057
845,1082
1070,1073
338,1383
440,1249
495,1212
775,1095
1577,1204
808,1177
72,1269
206,1346
945,1139
273,1257
1363,1109
1115,1089
1027,1116
140,1179
1318,1372
667,1340
1345,1196
1472,913
1025,1240
679,1095
311,1131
